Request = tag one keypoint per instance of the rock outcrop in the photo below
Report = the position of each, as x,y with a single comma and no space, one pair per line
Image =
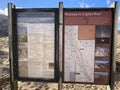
3,25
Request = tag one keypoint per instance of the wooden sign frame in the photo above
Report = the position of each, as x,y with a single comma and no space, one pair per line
15,44
59,43
110,42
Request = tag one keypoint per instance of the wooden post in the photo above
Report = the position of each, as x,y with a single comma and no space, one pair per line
60,44
114,43
13,82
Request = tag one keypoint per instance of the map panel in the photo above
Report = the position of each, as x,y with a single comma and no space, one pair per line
79,55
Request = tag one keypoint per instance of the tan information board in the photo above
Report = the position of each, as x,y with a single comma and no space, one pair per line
36,44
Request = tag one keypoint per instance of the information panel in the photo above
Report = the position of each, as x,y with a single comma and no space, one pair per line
87,41
36,45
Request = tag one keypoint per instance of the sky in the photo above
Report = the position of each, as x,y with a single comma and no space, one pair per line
55,4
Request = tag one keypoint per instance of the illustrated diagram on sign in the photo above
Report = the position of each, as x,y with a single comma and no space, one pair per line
79,52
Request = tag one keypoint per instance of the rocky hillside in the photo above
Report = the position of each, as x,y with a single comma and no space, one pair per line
118,44
3,25
118,49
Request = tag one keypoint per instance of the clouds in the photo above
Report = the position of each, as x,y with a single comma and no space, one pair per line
84,5
4,12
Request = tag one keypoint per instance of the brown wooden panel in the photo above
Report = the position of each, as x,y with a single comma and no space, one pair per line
84,18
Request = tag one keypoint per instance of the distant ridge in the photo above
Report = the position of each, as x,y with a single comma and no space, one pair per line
118,31
3,25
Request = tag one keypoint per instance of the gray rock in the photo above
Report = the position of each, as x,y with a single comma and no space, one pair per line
3,25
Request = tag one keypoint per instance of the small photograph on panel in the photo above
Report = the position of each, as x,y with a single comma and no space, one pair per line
102,40
101,51
101,65
22,29
22,38
23,69
51,65
22,51
101,77
102,31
